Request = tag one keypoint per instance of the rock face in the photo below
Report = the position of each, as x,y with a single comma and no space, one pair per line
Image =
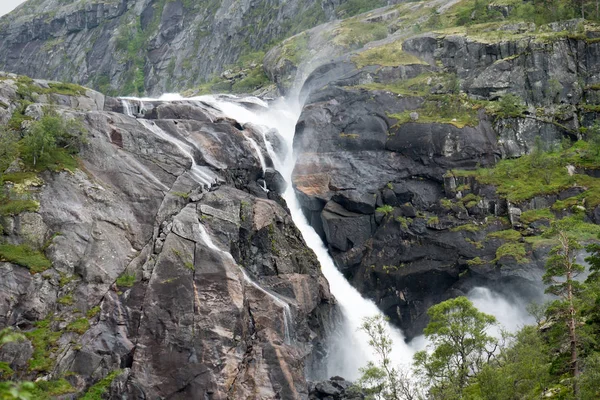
145,46
374,166
192,281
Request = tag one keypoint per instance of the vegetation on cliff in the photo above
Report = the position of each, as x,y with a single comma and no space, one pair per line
559,358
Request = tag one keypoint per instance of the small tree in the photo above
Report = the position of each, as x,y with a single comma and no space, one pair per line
460,346
561,273
382,380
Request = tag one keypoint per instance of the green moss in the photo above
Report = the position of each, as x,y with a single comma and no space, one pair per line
404,222
450,109
543,173
92,312
19,177
470,227
50,389
514,250
5,370
43,339
476,261
529,216
385,209
387,55
66,300
97,391
79,326
126,280
478,245
354,33
16,207
25,256
508,234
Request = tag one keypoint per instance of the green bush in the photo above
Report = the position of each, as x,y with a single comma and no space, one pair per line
50,142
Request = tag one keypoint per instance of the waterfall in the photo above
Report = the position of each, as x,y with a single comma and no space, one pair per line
200,174
287,313
349,348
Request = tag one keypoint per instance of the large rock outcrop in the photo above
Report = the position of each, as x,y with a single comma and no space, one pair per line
169,263
377,145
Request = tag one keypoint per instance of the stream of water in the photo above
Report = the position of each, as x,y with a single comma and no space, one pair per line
348,345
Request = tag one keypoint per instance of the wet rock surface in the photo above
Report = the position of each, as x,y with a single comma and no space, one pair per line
191,284
378,188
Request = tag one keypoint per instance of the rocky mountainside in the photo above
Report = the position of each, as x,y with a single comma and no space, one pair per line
156,266
393,137
152,46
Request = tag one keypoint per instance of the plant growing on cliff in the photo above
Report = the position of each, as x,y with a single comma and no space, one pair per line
50,140
381,379
460,347
561,273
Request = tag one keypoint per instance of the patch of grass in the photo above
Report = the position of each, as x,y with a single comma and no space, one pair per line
66,300
183,195
529,216
508,235
25,256
16,207
387,55
403,221
477,244
476,261
126,280
514,250
354,33
5,370
19,177
43,339
50,389
97,391
543,173
470,227
450,109
80,326
385,209
92,312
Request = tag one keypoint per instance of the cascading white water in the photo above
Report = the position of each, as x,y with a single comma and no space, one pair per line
287,313
349,348
201,175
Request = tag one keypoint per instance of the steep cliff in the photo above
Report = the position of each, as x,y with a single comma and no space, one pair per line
155,265
392,141
145,46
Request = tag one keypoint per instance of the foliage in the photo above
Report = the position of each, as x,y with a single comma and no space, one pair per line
44,339
381,379
79,326
543,172
561,277
126,280
25,256
460,347
97,391
49,139
385,209
518,370
8,149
